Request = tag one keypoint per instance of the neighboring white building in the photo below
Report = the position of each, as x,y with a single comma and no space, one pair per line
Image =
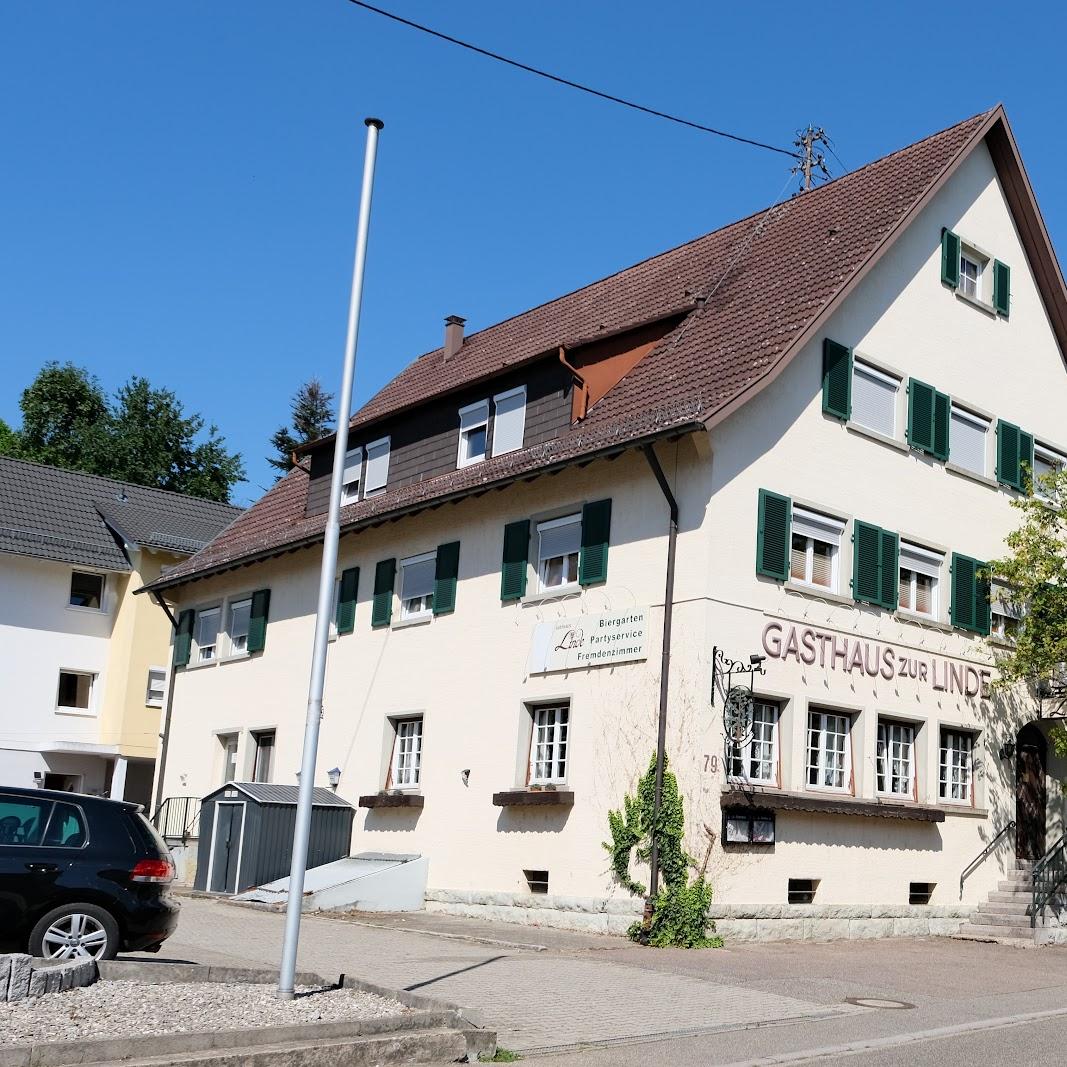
832,392
85,663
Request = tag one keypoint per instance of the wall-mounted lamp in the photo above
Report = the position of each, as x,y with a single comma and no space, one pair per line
335,777
1007,750
755,659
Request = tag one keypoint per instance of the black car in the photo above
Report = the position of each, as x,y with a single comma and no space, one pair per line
81,876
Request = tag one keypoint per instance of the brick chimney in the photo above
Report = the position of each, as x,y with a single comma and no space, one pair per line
453,336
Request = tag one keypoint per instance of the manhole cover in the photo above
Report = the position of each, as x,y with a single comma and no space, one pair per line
875,1002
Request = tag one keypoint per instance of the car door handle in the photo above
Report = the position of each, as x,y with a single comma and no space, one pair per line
42,868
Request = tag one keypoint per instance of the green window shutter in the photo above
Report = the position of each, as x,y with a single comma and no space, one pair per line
445,578
183,638
942,422
772,535
964,592
257,623
1008,458
346,601
596,535
1001,287
950,258
890,563
382,605
1026,460
515,562
836,379
982,607
929,414
867,563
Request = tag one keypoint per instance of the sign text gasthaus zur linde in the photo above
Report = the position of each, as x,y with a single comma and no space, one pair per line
589,641
810,646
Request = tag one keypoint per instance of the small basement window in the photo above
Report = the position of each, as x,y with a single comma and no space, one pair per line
802,890
920,892
536,881
744,827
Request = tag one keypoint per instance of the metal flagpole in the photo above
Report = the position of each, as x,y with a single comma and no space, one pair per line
302,833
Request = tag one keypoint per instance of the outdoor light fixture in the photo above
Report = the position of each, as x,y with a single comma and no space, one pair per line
755,659
335,777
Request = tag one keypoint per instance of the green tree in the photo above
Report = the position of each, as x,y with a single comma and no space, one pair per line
64,419
9,440
311,417
680,910
1033,577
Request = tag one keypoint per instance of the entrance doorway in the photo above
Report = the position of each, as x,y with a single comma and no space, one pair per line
1031,755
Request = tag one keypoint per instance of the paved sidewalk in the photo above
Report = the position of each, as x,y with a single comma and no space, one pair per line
598,1000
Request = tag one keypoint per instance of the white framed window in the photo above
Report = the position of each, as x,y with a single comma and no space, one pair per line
509,420
228,742
816,546
87,590
240,612
829,764
75,691
956,767
967,440
874,399
1046,461
972,269
352,476
559,543
377,473
206,634
406,769
757,759
920,580
156,689
896,759
548,744
1003,625
417,575
263,759
473,433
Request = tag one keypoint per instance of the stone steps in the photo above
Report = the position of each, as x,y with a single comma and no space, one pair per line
993,918
1019,935
1012,897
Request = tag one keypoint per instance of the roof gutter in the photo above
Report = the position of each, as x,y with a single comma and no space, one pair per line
678,430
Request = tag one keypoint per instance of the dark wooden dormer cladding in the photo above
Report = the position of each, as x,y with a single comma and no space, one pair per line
601,363
424,441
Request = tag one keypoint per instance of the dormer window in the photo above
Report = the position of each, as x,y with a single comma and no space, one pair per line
509,420
473,433
377,467
352,475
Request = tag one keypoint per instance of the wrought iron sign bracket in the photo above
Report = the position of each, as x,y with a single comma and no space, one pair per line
723,669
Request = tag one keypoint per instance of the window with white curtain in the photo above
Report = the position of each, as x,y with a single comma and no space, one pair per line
548,744
509,420
967,440
756,760
874,399
829,751
956,766
352,474
920,579
377,474
473,433
407,754
816,546
559,542
416,585
896,758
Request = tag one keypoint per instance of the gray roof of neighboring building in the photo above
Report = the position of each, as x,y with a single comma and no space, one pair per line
269,793
50,513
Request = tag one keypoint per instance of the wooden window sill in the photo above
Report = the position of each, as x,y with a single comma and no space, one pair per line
392,800
829,804
522,798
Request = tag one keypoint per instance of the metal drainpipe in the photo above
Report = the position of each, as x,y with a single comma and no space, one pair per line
665,665
166,714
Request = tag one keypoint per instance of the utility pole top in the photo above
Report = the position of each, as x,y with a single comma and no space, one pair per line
812,163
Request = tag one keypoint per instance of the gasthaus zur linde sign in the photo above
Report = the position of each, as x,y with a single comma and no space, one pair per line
589,641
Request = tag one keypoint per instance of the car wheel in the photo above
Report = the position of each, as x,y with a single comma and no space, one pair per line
76,931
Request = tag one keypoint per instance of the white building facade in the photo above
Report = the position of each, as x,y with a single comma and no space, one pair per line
843,453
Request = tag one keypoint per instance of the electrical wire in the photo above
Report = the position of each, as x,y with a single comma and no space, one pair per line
573,84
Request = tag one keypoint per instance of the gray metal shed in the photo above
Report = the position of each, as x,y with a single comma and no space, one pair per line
246,834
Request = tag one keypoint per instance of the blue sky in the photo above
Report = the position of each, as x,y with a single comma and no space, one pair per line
180,182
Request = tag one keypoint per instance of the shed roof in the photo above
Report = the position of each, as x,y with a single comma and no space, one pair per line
270,793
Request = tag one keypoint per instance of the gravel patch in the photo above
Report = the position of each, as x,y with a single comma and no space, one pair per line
131,1009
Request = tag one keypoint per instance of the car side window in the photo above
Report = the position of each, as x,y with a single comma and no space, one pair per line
23,819
66,828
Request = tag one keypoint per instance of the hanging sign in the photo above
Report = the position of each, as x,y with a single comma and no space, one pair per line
589,641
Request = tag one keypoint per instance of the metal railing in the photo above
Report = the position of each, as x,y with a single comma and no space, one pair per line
177,817
1050,872
981,857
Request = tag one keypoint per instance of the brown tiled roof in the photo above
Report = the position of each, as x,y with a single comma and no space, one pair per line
770,280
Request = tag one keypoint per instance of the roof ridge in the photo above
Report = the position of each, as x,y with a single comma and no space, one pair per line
119,482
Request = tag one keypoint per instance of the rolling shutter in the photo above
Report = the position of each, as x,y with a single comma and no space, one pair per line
1015,455
950,258
257,623
928,419
346,601
772,535
183,638
515,562
875,565
1001,287
836,379
970,608
382,604
596,535
446,576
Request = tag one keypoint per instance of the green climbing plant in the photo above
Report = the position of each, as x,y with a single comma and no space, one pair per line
679,912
